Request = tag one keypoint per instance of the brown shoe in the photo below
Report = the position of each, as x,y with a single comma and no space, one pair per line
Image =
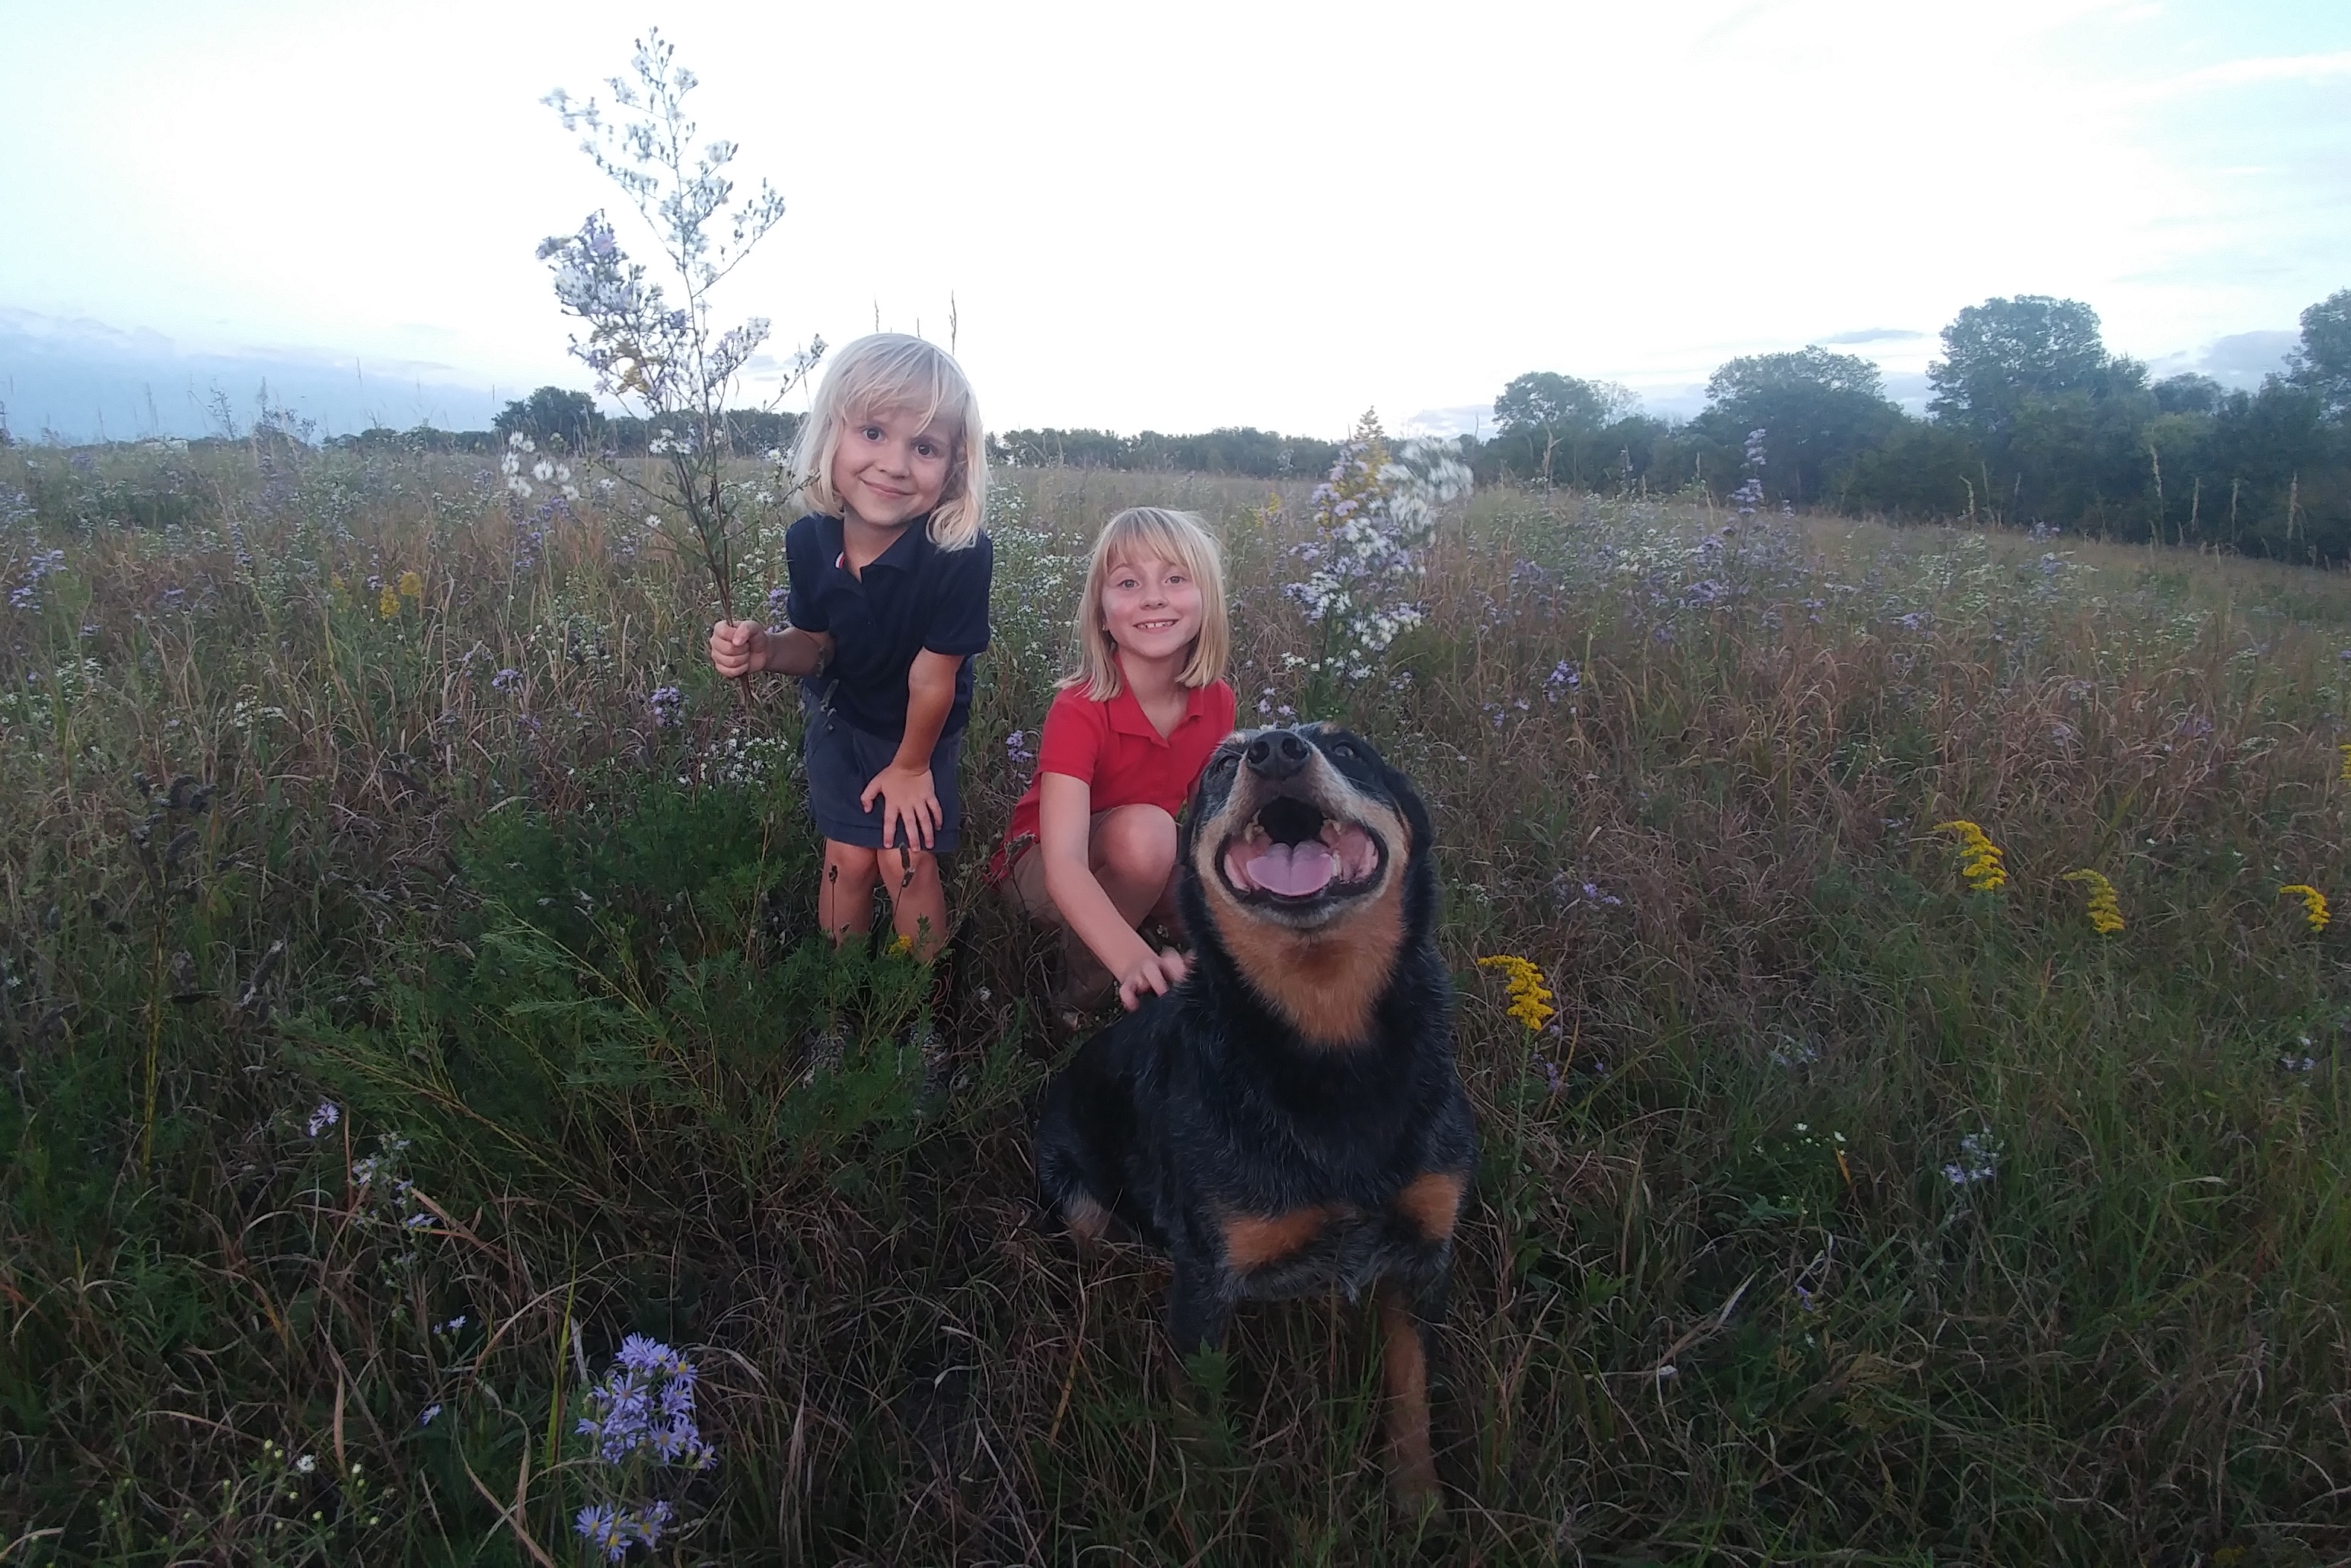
1085,986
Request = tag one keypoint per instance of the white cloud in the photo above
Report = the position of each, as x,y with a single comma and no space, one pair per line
1463,419
1871,335
2253,72
2239,361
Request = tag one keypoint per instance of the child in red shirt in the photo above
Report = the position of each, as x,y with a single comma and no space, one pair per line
1091,848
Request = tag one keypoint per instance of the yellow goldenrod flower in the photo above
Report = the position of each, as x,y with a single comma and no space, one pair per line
2105,909
387,604
2313,904
1980,858
2346,774
411,586
1530,999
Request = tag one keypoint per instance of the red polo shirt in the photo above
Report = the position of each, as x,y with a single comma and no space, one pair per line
1122,761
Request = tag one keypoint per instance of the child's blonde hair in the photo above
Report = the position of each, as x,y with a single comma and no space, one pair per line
1153,533
890,372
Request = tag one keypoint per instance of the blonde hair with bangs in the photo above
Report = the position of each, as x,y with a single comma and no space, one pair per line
1152,533
891,373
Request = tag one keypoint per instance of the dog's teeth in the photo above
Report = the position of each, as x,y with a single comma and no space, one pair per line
1330,833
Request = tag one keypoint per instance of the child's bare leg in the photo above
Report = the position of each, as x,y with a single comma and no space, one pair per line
918,899
1132,852
844,898
1133,855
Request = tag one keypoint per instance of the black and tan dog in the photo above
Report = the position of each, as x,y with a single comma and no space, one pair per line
1288,1120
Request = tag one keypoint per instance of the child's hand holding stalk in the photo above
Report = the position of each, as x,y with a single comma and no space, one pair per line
737,648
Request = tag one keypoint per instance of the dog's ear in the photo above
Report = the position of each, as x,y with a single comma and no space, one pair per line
1409,801
1190,825
1423,894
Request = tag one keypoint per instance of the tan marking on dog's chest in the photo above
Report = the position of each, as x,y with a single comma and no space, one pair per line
1326,984
1254,1240
1432,1203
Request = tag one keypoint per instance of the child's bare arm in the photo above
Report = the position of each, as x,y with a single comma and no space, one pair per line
1065,838
906,788
740,647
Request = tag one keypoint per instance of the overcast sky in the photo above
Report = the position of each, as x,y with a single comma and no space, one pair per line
1168,216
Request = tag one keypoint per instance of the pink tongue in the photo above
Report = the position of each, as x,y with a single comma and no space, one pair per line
1293,872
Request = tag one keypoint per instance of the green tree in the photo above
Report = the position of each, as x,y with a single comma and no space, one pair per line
2003,352
2323,361
552,412
1552,403
1060,448
1819,412
1551,425
2189,393
2286,471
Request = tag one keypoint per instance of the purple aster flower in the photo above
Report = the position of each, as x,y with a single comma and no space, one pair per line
599,1525
646,1403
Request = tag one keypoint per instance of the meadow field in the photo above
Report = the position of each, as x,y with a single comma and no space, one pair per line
410,993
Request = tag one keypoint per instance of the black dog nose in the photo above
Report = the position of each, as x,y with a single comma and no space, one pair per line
1276,756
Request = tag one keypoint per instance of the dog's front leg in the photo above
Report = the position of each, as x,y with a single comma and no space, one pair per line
1198,1308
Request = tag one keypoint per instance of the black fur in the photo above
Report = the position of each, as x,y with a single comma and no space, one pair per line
1209,1102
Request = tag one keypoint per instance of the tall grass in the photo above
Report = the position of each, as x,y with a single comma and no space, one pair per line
1720,1299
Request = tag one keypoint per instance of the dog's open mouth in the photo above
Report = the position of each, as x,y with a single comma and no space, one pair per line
1291,853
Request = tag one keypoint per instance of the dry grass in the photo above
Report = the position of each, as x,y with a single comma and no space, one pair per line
1719,1298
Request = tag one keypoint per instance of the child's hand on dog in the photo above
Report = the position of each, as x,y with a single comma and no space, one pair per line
1157,973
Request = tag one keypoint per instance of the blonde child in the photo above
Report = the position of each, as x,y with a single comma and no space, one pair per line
1092,847
889,581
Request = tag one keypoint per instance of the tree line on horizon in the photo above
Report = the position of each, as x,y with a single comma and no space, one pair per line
2033,422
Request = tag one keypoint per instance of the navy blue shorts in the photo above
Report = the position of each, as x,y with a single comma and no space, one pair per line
842,760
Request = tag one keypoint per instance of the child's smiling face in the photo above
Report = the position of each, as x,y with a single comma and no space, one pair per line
891,467
1150,607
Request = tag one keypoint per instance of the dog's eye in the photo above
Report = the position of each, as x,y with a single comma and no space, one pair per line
1343,752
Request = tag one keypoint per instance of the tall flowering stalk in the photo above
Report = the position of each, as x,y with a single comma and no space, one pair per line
1530,999
1374,516
1980,858
662,357
2105,908
2313,904
1750,493
1531,1003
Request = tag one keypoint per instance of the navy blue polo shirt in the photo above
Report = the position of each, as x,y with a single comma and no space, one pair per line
914,596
